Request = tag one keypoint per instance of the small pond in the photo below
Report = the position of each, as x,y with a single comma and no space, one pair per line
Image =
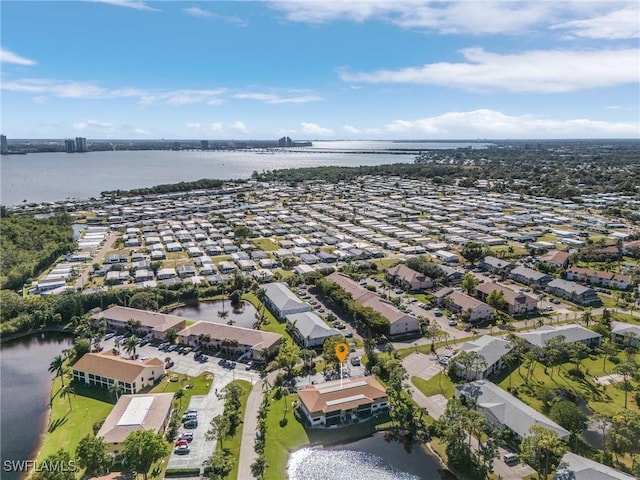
242,316
373,458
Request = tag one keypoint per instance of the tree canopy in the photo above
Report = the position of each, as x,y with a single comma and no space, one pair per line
141,448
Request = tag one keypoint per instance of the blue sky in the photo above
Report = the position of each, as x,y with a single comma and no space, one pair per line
310,69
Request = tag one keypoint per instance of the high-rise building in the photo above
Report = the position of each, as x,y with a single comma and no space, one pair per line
285,142
81,145
204,144
4,146
69,145
176,146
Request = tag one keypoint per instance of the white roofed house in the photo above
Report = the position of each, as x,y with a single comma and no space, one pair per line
490,349
571,333
132,413
282,301
310,330
625,334
503,410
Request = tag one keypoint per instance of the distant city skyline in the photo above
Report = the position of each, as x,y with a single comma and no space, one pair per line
320,70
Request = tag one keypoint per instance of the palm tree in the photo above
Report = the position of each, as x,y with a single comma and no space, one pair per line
57,367
130,345
67,391
116,389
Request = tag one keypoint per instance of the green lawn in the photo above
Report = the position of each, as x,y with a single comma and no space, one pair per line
265,244
274,326
282,439
606,399
384,263
68,426
199,385
440,384
233,444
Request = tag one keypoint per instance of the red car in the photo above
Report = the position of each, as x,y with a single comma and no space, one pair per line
182,441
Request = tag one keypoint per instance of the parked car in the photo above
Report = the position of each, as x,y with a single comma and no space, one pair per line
188,436
355,361
437,313
510,458
555,301
181,450
108,336
191,424
181,441
249,365
452,323
190,410
348,335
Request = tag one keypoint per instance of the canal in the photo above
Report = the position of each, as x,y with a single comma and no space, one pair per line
25,390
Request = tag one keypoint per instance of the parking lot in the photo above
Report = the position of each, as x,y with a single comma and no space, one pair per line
208,406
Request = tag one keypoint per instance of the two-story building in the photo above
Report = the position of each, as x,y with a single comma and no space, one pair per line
408,279
105,369
342,402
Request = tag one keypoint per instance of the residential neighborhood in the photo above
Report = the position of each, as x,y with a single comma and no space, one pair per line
480,295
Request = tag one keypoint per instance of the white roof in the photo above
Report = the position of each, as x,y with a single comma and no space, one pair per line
136,411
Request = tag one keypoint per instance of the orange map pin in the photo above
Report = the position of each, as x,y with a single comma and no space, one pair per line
342,351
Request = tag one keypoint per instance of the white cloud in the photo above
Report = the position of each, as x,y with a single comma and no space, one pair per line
618,24
276,99
486,123
199,12
56,88
93,124
184,97
88,90
547,71
488,17
193,125
136,5
202,13
350,129
216,127
315,129
7,56
239,126
99,129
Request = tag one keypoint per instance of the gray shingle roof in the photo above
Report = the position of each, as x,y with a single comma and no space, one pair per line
311,326
507,410
572,333
580,468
